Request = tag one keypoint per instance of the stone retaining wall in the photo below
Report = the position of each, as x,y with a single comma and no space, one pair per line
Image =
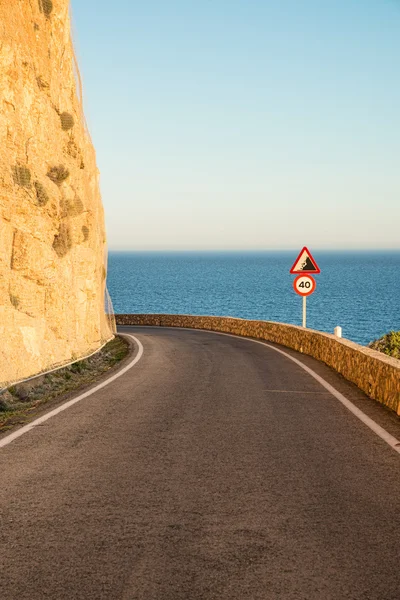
374,373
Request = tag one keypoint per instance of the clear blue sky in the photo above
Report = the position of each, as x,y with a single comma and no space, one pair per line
244,124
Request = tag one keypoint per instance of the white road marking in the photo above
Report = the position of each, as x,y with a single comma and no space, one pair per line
16,434
63,366
297,392
377,429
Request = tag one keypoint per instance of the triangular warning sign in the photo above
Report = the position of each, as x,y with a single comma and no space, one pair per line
305,263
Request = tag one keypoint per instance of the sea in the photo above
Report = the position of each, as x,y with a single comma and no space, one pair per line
359,291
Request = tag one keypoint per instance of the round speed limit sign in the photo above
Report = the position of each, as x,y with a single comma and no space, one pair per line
304,285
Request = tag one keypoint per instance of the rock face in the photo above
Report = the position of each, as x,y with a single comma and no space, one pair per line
52,236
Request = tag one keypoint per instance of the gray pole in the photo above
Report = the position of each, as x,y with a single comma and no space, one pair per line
304,311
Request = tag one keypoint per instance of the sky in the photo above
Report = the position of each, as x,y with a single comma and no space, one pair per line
244,124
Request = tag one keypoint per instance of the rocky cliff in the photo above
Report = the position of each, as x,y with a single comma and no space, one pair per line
52,237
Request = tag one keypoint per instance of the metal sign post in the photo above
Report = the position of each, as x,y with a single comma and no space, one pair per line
304,284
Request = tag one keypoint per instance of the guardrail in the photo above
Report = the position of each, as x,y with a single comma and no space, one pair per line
374,373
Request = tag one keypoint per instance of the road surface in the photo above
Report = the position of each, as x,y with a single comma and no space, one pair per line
215,468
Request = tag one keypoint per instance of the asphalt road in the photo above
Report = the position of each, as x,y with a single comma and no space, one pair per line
214,469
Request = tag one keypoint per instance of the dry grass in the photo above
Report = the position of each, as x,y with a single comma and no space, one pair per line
22,402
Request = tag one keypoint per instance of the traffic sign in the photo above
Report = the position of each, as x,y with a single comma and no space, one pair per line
304,285
305,263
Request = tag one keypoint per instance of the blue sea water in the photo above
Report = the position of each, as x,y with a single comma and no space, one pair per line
360,291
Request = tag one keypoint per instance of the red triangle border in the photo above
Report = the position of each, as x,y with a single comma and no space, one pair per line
318,270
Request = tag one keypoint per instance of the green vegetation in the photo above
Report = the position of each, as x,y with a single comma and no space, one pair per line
41,194
67,121
14,301
58,174
22,402
46,7
388,344
22,176
62,242
85,231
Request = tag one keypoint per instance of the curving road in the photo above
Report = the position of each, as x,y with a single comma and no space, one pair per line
214,469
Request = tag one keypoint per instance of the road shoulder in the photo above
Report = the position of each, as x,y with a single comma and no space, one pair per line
47,392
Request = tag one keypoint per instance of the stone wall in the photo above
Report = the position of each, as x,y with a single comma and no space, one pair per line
376,374
52,237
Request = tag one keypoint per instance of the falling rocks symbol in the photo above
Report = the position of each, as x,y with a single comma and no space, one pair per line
308,265
305,263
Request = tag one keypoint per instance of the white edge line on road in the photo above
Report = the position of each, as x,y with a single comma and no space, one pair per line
13,436
380,431
377,429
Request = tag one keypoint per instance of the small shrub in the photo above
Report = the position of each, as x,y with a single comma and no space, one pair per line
22,176
72,208
58,174
78,367
62,243
14,301
46,7
389,344
120,354
37,391
41,194
67,121
22,391
85,231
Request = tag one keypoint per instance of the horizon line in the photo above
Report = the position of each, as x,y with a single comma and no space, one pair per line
293,249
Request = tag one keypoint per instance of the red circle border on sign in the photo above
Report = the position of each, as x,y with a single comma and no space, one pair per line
309,292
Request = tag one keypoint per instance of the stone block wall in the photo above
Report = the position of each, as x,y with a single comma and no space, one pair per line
374,373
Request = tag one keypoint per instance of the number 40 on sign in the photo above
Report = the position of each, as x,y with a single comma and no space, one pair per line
304,285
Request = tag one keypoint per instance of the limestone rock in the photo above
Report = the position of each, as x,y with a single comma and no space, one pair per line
6,400
52,236
23,390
